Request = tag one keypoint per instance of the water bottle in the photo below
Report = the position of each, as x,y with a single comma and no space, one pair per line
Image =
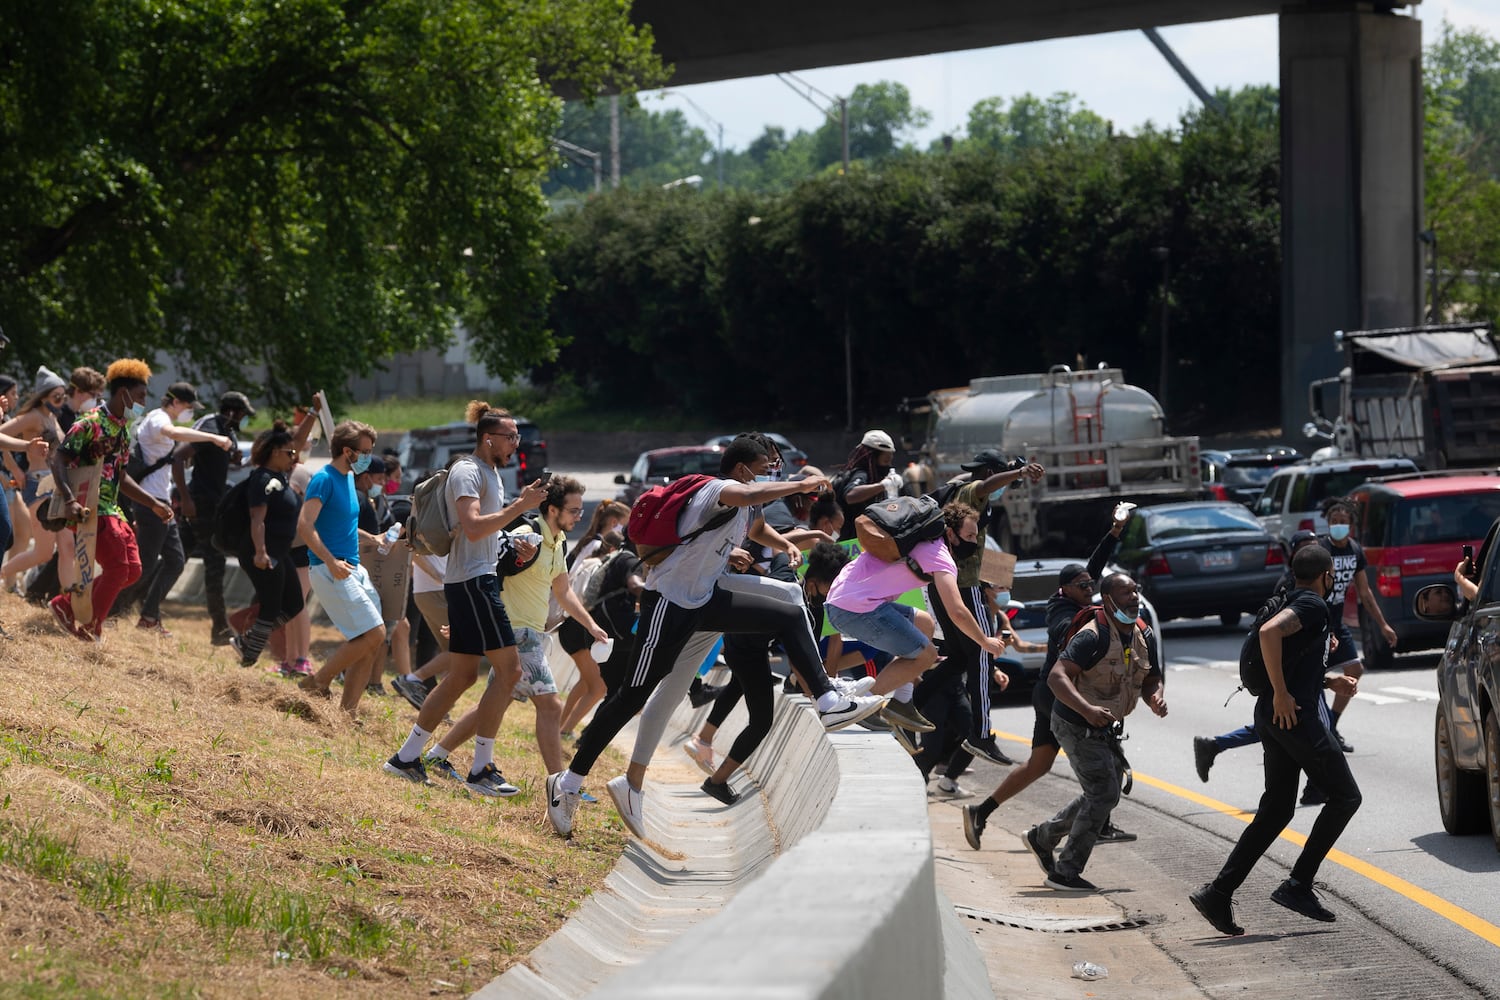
391,534
533,538
1088,970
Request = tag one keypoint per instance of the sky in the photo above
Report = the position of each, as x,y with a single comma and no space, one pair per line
1120,76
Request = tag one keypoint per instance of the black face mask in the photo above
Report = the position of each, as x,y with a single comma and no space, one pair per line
963,549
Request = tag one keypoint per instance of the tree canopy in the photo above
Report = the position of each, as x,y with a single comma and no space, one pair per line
308,184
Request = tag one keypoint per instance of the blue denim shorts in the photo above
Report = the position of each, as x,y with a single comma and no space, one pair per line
889,628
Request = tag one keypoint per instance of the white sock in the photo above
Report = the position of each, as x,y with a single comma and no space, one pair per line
484,753
413,678
438,752
571,782
412,748
829,700
903,693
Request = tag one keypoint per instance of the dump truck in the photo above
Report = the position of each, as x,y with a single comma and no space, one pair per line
1100,440
1427,393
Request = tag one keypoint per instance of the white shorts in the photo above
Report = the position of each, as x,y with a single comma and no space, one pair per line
351,603
536,675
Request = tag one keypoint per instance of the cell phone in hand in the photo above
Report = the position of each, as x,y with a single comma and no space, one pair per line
1469,552
542,480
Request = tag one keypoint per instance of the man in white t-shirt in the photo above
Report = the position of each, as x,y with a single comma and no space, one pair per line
162,556
683,596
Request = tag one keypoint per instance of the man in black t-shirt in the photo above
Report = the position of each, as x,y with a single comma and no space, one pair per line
1294,732
199,499
1348,569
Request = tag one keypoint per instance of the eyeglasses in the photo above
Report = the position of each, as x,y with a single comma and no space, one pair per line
1085,584
288,451
575,511
512,436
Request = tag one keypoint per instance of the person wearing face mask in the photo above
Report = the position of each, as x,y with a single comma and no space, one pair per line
1295,735
102,437
375,519
1075,591
862,603
199,496
1348,567
84,388
865,478
329,523
160,543
37,418
1108,666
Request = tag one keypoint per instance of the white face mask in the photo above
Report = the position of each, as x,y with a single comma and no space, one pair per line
185,417
1002,598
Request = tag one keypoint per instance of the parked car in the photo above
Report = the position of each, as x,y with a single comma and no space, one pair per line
1466,736
662,465
1413,529
792,457
1202,558
1034,583
1240,474
1291,500
428,449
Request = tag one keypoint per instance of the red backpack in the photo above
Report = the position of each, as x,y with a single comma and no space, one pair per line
653,518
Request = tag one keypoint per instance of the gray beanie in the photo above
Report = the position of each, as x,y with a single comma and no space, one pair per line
46,381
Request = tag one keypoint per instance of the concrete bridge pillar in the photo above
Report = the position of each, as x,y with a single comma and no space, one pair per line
1351,192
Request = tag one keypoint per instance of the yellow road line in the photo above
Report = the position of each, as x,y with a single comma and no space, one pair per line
1475,925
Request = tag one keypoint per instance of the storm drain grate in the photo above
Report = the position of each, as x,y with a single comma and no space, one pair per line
1049,925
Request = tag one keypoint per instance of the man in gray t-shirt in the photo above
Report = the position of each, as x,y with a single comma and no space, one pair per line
472,557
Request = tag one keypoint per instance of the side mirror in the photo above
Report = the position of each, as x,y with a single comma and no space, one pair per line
620,480
1436,602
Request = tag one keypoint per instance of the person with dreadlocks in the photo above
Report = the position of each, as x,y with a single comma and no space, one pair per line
864,478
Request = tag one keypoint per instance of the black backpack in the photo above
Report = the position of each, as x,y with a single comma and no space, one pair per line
232,520
1253,676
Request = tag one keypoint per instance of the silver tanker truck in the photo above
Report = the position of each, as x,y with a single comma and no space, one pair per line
1100,439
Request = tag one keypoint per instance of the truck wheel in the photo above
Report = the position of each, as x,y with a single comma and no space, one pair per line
1375,653
1229,619
1492,770
1460,793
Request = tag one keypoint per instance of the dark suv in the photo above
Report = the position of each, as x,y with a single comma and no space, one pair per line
1413,528
428,449
1466,737
1240,474
652,468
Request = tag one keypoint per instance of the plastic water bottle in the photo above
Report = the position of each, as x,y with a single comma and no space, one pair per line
389,539
533,538
1088,970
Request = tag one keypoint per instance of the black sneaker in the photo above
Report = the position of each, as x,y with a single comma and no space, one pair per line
376,688
988,749
1043,855
1217,909
413,691
239,650
442,767
413,771
220,636
1204,752
1301,898
488,781
1069,883
973,826
1112,834
1344,744
701,694
722,792
1312,795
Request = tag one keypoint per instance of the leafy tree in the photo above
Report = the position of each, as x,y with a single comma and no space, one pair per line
879,115
311,184
1463,67
1031,122
655,146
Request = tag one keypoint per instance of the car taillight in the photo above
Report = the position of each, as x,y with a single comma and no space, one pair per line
1012,612
1157,566
1307,524
1218,491
1388,581
521,461
1274,555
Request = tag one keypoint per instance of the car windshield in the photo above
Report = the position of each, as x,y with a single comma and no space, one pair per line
1186,521
1460,518
684,463
1249,472
1035,587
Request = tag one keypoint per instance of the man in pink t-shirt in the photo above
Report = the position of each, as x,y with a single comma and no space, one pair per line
862,604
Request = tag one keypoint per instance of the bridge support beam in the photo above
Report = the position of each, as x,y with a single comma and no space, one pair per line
1351,191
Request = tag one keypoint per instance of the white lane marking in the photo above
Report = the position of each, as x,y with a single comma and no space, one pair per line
1184,666
1199,660
1415,694
1378,699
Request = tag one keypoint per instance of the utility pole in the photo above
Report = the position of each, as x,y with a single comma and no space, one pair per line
1164,255
844,127
1429,236
614,141
721,156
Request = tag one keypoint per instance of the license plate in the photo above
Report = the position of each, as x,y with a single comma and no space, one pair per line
1217,560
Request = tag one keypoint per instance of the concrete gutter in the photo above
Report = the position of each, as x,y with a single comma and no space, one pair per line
822,885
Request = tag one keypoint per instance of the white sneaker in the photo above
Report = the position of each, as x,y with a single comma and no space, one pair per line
952,789
561,805
630,804
851,710
702,754
852,689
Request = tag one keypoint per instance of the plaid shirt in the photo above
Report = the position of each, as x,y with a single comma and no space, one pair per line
99,438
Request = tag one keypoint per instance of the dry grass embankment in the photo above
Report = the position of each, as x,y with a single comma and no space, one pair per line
172,824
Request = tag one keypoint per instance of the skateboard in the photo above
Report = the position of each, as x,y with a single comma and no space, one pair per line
85,484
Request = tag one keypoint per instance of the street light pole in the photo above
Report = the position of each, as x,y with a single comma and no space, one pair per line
1429,236
844,128
1164,255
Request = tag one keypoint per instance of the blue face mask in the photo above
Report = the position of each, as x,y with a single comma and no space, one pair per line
137,410
1002,598
361,463
1338,532
765,479
375,490
1124,617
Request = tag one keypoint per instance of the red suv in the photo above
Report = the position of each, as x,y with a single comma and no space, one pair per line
1413,528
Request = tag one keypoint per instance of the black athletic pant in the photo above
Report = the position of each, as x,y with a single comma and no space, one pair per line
965,657
944,703
1309,746
749,660
665,628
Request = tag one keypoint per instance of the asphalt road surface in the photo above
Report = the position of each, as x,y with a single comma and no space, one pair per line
1394,864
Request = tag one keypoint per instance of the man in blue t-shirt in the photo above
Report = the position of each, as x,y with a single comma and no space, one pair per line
1294,730
330,523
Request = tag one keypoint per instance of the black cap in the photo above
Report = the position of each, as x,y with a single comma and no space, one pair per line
183,392
1071,572
987,459
236,401
1300,539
